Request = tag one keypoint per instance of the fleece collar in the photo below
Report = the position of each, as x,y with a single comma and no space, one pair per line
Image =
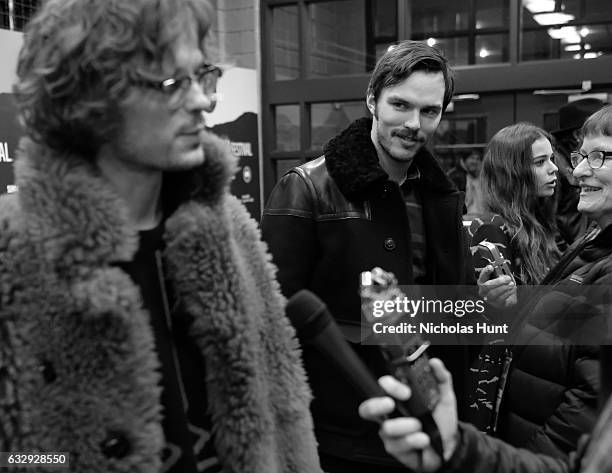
76,216
352,162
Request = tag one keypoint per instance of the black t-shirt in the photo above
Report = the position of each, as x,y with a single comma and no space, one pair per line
189,444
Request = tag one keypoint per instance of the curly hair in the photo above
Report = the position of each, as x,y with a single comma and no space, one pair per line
79,55
509,189
407,57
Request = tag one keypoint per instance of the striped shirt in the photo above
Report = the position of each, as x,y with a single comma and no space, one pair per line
416,224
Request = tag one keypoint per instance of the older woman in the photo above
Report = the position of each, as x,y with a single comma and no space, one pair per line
587,262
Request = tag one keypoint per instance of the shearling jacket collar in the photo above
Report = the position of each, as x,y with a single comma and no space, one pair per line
97,232
353,163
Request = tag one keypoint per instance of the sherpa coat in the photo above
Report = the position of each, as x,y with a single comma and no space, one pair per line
78,369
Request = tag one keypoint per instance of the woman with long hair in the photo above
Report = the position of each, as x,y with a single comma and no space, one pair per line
519,178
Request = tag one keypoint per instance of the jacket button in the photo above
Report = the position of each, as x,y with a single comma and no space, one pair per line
48,371
390,244
116,445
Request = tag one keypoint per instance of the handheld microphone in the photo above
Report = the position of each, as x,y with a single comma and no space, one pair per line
315,326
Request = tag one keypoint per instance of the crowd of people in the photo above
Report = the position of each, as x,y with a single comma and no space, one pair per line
142,311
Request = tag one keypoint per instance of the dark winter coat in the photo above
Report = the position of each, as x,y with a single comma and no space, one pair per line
479,453
330,219
551,395
78,369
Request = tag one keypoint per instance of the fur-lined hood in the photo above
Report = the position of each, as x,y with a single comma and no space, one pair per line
77,349
353,163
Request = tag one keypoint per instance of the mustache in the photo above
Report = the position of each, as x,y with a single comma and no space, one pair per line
408,135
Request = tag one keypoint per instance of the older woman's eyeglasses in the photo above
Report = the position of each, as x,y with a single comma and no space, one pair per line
176,87
595,159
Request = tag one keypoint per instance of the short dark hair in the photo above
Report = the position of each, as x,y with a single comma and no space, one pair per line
600,123
79,55
402,59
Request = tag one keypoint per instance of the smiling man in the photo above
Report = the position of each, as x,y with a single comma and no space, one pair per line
141,328
376,198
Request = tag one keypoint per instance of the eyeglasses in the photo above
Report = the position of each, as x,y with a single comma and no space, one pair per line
595,159
176,87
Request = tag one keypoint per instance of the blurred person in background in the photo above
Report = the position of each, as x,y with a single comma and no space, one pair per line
466,176
141,327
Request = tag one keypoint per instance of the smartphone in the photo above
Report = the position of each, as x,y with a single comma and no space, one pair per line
493,256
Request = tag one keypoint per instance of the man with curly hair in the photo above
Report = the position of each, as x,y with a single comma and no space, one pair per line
141,326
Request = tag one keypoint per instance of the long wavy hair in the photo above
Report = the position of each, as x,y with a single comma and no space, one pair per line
79,59
509,189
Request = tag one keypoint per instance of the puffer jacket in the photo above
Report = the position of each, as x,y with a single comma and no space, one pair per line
78,368
479,453
551,395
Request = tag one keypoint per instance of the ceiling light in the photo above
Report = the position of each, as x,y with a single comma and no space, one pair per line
570,39
584,31
553,18
577,56
567,34
539,6
587,46
564,32
592,55
431,42
572,47
484,53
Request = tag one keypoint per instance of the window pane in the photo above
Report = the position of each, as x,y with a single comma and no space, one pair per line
455,49
328,119
491,48
287,122
492,14
462,29
538,45
439,16
585,33
4,14
595,40
381,49
595,11
23,10
338,38
460,131
285,43
385,18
